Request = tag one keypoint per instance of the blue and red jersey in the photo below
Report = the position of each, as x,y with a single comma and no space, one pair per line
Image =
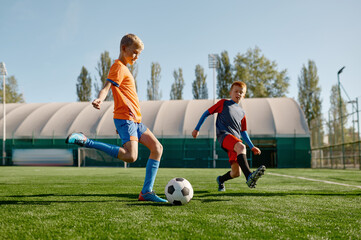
231,119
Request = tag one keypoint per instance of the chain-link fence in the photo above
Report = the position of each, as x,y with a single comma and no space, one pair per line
335,140
337,156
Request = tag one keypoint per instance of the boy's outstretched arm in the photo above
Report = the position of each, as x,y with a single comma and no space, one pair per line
101,96
195,132
245,137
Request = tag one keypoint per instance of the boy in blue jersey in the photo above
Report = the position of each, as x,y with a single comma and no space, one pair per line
231,125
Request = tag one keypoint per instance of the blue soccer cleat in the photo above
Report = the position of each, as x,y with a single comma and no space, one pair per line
254,176
77,138
221,187
150,196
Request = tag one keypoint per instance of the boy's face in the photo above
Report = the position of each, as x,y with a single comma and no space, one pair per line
131,53
238,93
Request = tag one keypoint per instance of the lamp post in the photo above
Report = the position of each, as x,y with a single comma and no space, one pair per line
330,136
4,73
358,127
341,117
353,129
213,63
358,134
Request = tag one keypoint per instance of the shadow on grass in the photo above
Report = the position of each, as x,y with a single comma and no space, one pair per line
156,204
203,196
211,200
120,195
11,202
48,202
276,194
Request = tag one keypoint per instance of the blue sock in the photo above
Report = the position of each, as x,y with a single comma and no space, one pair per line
110,149
150,174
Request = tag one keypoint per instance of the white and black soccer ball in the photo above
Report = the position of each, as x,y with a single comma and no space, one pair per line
179,191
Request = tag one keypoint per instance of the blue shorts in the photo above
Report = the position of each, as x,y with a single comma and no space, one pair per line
129,130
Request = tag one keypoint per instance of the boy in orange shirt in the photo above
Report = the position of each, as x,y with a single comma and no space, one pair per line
127,118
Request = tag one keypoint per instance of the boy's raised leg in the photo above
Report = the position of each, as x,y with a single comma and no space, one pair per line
81,140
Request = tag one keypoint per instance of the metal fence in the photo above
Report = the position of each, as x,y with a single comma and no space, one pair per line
335,141
334,156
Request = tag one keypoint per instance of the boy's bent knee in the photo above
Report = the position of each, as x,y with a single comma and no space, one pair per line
160,149
129,158
240,148
157,149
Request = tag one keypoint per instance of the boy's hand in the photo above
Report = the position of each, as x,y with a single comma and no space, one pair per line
195,133
256,151
96,103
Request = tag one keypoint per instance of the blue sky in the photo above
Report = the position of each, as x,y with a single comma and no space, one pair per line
44,43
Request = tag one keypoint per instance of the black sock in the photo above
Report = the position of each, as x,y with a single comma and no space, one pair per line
243,163
225,177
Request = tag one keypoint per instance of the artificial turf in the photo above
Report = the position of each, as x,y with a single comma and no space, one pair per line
101,203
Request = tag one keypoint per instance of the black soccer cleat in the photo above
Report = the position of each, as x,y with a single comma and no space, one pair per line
254,176
221,187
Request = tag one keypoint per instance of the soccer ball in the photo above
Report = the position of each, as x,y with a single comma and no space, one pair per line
179,191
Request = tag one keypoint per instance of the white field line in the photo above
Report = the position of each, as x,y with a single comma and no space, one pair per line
314,180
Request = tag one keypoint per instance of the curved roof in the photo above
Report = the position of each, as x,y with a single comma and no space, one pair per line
267,117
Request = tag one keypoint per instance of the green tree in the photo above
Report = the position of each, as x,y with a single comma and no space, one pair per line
134,71
260,75
11,91
103,68
199,85
224,75
310,101
176,92
153,92
335,124
83,86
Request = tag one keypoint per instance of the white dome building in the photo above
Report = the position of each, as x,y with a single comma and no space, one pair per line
276,125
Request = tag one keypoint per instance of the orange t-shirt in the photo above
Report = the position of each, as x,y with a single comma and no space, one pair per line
126,102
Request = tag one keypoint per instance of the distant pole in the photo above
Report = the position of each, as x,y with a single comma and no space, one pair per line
358,134
330,137
340,105
3,72
213,63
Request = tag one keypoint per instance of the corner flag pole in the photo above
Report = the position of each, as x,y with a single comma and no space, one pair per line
213,63
4,73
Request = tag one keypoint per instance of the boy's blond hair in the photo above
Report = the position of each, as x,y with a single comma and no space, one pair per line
130,39
239,84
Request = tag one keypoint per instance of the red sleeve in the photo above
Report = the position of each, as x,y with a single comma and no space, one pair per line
244,124
217,108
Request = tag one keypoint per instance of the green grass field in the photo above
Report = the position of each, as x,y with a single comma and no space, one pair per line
101,203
